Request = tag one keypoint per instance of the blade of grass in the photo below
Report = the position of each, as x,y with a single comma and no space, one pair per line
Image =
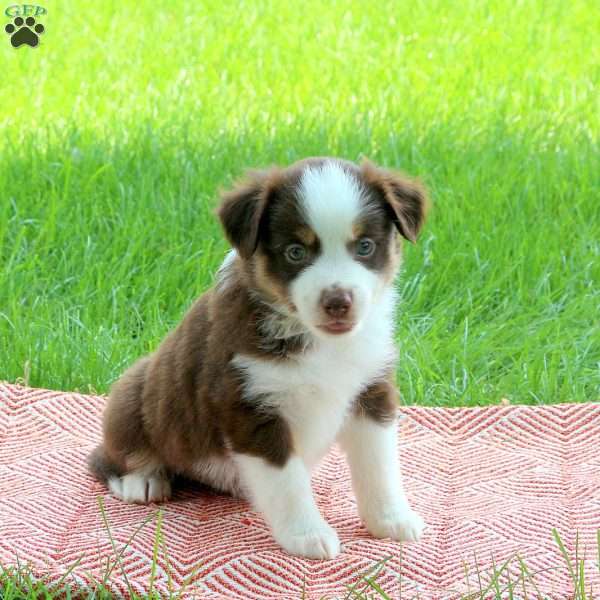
495,576
375,586
68,572
525,570
378,565
188,580
564,553
131,538
114,547
510,585
168,564
580,569
155,550
467,578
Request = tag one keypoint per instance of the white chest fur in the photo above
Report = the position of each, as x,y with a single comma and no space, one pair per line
313,391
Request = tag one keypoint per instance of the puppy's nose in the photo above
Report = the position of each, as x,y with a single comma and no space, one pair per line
336,302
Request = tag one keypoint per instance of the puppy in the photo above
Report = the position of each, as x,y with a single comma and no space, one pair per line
290,351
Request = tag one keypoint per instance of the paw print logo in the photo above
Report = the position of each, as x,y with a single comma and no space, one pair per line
24,32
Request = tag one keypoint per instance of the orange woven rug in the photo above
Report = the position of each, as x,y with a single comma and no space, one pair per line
490,483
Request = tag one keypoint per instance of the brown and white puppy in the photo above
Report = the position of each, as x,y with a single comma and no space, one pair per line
291,350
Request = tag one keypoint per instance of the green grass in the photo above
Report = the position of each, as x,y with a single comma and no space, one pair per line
116,133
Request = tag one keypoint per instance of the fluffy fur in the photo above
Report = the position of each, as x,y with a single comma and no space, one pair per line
291,350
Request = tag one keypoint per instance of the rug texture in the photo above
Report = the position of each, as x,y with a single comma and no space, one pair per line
490,483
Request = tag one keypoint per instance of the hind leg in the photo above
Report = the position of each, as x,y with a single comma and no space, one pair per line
139,478
126,460
146,484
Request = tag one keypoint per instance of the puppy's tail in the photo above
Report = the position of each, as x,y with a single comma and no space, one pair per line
101,467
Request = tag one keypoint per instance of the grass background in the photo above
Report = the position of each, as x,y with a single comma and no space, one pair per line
118,130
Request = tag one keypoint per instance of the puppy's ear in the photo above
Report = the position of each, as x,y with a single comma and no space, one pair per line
243,207
406,199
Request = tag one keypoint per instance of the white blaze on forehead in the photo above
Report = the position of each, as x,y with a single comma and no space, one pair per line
331,199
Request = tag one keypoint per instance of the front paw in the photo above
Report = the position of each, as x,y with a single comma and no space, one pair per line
320,541
402,525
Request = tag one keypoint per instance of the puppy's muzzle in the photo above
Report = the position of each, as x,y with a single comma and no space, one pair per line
336,302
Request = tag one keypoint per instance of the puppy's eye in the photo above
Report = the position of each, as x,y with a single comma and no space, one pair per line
295,253
365,247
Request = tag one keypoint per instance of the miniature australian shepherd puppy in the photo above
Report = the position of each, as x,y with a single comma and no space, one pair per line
290,351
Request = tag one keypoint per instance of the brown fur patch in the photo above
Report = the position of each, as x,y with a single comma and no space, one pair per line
101,466
257,432
243,207
394,260
406,198
374,223
378,402
273,289
306,235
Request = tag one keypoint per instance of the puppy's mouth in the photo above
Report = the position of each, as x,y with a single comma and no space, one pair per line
337,327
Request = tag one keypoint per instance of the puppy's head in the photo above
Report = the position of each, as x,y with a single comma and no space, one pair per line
319,238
